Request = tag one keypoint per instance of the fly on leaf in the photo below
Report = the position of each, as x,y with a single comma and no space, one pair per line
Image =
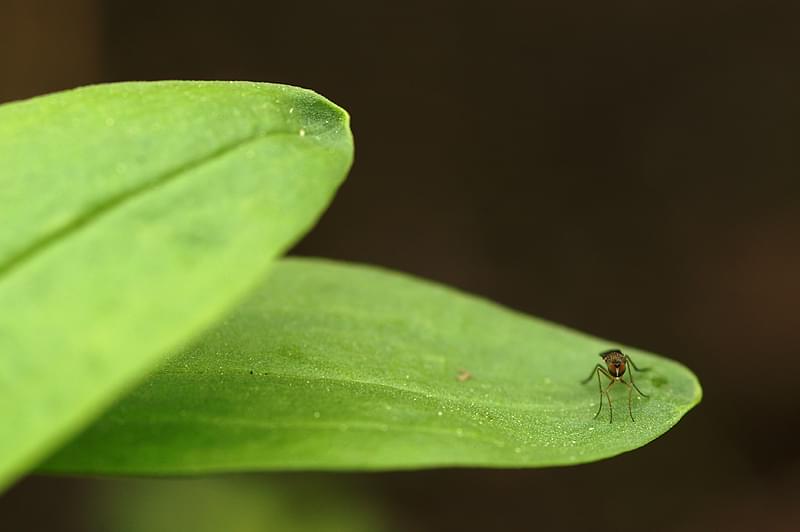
616,364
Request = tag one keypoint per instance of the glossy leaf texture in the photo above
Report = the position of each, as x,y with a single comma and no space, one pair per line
133,216
335,366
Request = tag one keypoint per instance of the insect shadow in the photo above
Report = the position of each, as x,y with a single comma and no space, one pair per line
616,364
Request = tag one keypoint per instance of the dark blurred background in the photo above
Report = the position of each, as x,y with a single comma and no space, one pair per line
625,168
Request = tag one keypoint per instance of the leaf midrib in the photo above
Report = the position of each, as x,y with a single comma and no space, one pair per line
454,399
366,426
95,212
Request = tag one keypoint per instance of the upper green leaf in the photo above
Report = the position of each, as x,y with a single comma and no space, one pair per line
330,366
133,215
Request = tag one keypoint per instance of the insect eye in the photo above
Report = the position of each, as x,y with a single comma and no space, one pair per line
616,364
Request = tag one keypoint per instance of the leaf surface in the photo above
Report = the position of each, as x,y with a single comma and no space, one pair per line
335,366
133,216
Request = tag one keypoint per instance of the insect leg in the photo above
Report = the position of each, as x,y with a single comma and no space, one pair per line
630,392
599,369
587,379
631,374
599,387
608,397
629,359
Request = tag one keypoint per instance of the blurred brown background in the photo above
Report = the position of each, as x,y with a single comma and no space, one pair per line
625,168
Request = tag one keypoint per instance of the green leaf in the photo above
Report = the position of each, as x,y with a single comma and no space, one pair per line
133,216
332,366
234,504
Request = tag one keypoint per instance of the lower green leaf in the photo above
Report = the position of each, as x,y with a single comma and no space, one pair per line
234,505
334,366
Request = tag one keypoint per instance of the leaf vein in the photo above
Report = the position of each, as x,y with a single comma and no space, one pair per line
83,219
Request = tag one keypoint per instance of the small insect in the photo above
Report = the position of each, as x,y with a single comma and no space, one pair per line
463,375
616,363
